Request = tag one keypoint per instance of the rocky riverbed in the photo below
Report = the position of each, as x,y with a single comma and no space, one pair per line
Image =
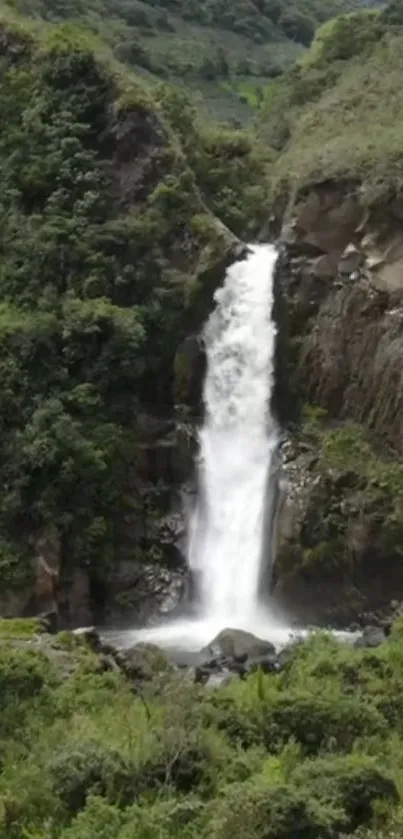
232,654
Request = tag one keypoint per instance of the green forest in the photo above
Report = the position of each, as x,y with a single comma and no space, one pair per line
101,272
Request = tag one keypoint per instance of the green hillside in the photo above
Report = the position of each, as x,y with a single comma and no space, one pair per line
223,50
339,110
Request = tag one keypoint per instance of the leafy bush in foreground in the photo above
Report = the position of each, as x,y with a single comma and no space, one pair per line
353,783
92,768
273,756
315,722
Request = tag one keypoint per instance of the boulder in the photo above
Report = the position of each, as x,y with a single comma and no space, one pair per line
372,636
239,645
143,662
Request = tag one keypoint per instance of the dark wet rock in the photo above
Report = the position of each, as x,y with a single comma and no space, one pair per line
332,540
340,273
265,663
90,636
140,592
108,663
189,368
373,636
221,679
239,645
191,658
213,672
49,622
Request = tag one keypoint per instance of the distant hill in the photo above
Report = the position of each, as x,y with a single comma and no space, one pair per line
225,50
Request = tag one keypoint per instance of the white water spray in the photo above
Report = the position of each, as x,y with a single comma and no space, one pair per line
236,443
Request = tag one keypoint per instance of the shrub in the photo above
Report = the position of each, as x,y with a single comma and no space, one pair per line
319,723
92,768
314,722
353,783
257,811
24,675
345,37
99,819
182,770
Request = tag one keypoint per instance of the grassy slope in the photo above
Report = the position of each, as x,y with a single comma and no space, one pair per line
170,41
340,118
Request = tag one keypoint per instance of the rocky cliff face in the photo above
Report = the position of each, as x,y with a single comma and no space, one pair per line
341,281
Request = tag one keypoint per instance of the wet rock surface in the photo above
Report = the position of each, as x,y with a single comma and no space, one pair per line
340,274
372,636
336,532
340,319
144,662
239,645
232,654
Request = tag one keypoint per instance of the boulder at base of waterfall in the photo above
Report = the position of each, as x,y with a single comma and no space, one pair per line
143,662
240,646
372,636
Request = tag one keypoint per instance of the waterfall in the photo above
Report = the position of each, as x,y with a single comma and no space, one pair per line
237,443
232,527
229,529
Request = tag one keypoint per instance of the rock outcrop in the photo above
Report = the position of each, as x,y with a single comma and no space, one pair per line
342,276
340,279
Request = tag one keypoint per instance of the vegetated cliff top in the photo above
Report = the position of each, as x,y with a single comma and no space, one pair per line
221,48
339,111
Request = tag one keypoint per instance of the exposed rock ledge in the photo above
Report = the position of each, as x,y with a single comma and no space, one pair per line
342,276
340,280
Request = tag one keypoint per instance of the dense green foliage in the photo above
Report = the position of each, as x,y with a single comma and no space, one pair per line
103,252
213,45
313,752
324,116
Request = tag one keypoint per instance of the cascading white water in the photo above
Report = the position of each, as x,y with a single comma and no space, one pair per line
237,442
